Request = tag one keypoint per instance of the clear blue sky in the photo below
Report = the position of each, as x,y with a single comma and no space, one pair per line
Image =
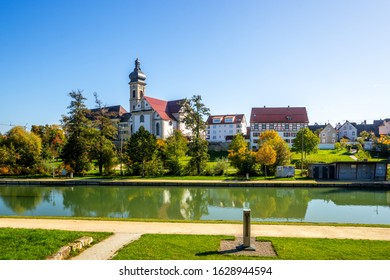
330,56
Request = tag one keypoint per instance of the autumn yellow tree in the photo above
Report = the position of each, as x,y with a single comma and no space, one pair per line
266,156
241,157
283,154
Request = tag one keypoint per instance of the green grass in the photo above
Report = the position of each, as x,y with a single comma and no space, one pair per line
205,247
38,244
325,156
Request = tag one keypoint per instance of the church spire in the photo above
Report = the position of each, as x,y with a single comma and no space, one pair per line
137,75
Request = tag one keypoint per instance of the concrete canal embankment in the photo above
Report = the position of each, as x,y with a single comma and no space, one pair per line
200,183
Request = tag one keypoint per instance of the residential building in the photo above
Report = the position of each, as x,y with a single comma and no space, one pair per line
157,116
222,128
328,137
347,131
372,128
286,121
384,129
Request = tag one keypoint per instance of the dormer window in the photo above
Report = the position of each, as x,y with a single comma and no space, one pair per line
217,120
229,119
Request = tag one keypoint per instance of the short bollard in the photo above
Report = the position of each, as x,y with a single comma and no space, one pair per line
246,232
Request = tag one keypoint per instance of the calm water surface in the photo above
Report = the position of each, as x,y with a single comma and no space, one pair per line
179,203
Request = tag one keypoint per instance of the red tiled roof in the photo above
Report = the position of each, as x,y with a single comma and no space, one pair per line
279,115
164,108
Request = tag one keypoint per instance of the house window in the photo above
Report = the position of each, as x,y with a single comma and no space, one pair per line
286,126
157,129
142,118
256,126
294,126
271,126
263,126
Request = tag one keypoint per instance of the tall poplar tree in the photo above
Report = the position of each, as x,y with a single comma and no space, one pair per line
194,114
77,128
103,149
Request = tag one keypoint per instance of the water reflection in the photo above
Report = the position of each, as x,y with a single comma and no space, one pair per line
178,203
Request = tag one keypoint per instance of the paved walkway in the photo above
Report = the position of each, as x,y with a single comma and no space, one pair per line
127,231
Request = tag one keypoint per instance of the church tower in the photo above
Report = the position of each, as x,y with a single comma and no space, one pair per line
137,86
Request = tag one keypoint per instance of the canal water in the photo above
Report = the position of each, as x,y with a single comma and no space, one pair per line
339,205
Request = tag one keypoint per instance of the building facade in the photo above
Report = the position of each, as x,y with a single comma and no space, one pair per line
286,121
328,137
347,131
157,116
222,128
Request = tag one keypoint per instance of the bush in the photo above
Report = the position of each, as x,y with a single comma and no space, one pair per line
154,167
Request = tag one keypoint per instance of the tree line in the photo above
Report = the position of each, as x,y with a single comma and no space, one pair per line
85,139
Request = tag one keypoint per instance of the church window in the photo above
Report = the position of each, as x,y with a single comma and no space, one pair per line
142,118
157,129
142,93
133,93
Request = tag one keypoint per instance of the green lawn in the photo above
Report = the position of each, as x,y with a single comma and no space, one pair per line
205,247
326,156
38,244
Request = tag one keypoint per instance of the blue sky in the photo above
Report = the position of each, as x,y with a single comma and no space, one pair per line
329,56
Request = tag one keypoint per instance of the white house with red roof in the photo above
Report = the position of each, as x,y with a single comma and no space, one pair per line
222,128
157,116
286,121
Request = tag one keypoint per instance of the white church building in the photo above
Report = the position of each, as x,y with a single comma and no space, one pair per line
157,116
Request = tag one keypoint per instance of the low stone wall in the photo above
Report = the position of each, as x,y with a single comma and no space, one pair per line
63,252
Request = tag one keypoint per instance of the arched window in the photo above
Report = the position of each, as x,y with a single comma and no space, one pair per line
157,129
133,93
142,118
142,93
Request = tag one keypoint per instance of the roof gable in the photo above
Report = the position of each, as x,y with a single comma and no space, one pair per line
165,109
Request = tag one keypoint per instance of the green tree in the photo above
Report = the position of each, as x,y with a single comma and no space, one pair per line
103,149
23,149
194,113
241,157
77,127
175,148
141,147
53,139
305,142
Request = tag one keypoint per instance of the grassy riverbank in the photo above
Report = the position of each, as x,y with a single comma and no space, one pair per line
205,247
38,244
33,244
